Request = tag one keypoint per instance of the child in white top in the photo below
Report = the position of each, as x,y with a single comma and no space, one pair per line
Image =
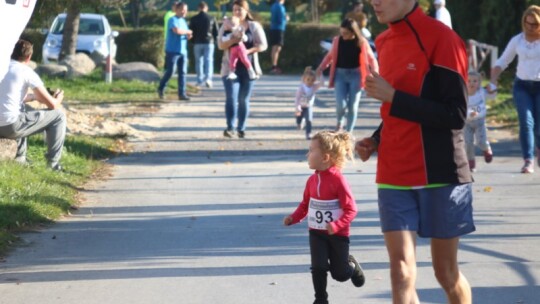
237,51
475,125
305,98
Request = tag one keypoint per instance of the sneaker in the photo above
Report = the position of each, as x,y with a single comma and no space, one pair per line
184,97
527,167
56,167
472,165
160,95
320,302
339,128
252,74
241,134
488,156
232,76
358,279
199,85
308,136
275,71
228,133
208,84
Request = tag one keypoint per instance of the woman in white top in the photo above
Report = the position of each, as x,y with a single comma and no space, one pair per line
526,46
238,90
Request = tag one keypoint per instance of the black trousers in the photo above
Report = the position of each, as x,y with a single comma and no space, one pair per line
328,253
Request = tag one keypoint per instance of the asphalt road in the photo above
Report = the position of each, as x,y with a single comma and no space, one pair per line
191,217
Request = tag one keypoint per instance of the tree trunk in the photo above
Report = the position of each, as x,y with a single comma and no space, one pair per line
71,30
134,8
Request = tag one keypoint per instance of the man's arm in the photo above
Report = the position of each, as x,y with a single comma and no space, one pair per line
52,102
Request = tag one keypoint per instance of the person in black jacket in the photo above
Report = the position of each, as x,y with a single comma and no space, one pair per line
205,30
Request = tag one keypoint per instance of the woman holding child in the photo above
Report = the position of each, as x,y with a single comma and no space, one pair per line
238,90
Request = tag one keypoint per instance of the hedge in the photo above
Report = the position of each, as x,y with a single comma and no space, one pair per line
301,47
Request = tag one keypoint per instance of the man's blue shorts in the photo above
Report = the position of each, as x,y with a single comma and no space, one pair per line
439,212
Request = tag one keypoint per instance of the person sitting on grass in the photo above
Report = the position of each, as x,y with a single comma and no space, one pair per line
16,122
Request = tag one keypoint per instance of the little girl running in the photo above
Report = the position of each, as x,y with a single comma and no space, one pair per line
330,207
305,97
475,125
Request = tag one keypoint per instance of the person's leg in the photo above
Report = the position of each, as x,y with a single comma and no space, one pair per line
481,136
209,63
22,148
308,116
401,247
444,256
319,264
233,57
244,95
524,105
198,54
232,88
340,268
468,134
243,55
536,116
170,63
340,92
182,71
53,122
353,100
276,49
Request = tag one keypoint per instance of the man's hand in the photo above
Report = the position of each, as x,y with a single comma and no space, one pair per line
379,88
365,147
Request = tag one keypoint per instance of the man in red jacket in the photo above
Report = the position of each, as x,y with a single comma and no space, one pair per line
422,170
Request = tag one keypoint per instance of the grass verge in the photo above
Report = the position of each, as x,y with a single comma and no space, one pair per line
34,195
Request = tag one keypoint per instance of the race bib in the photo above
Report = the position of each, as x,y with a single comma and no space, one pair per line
323,212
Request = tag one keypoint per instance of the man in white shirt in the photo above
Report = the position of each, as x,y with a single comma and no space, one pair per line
441,13
15,122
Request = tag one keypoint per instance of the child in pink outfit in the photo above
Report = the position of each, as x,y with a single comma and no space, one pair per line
237,51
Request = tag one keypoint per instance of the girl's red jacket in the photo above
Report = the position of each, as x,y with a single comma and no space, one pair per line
329,184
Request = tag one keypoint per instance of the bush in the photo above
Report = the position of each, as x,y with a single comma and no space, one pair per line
141,45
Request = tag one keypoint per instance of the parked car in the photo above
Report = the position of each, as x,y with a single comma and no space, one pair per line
94,31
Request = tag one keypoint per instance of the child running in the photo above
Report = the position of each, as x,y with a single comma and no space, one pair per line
305,98
330,208
475,125
237,51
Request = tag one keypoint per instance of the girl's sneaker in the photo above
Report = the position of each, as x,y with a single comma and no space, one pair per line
488,156
252,74
528,167
232,76
357,278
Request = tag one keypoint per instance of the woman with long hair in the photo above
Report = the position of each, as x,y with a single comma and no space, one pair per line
350,60
238,90
526,45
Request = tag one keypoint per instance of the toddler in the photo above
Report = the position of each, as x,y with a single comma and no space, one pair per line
305,97
330,208
475,125
237,51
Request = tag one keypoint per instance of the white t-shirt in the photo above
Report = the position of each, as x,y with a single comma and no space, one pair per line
14,15
13,89
528,53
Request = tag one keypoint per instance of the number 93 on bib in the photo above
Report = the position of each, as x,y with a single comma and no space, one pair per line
322,212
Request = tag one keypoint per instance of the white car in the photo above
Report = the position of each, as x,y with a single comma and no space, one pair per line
94,31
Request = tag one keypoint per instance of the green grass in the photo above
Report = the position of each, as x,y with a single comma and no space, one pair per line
92,89
502,110
34,195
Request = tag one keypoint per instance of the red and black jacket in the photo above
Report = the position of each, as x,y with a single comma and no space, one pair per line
420,139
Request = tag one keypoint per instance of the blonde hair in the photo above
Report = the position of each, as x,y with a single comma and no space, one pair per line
534,11
476,74
308,71
336,144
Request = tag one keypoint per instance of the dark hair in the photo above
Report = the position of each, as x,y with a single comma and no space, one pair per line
202,5
23,50
351,25
245,5
180,4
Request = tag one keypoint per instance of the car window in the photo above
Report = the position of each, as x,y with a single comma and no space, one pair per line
86,27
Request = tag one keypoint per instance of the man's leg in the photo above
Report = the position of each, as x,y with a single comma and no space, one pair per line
170,63
276,49
22,147
401,247
56,134
209,63
198,52
182,71
444,254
